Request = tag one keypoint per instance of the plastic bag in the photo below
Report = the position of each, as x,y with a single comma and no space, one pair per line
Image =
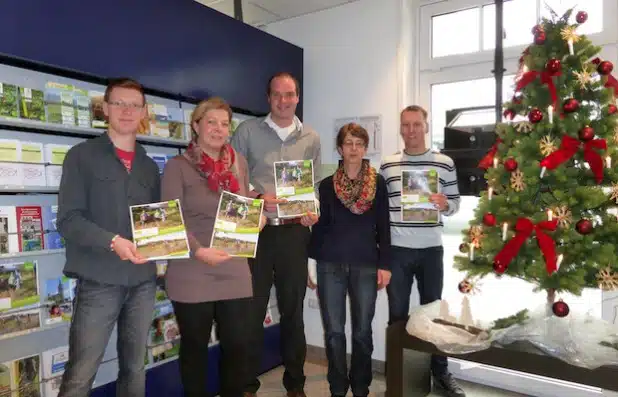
433,323
579,338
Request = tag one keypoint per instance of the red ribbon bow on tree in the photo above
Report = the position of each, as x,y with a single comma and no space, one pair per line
488,160
546,78
524,228
568,148
611,80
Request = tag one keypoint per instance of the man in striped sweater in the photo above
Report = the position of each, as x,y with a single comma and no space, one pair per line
417,247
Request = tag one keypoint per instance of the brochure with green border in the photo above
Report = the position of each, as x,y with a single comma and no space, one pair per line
237,225
19,285
294,181
417,186
159,230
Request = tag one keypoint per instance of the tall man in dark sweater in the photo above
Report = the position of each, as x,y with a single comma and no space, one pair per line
282,252
101,178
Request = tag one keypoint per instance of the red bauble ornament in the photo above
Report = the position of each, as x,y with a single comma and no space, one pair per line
560,309
535,116
489,219
463,248
465,287
517,99
537,29
570,105
605,68
553,66
586,133
583,226
539,38
510,164
611,108
581,17
499,267
509,114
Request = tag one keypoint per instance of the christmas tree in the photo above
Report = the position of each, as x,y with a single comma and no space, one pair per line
546,216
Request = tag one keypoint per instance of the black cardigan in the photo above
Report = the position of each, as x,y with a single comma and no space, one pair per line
346,238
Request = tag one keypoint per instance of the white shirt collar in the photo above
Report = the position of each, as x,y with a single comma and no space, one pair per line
297,124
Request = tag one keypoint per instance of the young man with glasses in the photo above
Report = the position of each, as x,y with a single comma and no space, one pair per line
101,178
282,253
416,248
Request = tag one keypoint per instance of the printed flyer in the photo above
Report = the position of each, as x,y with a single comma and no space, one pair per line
237,226
416,188
159,231
294,181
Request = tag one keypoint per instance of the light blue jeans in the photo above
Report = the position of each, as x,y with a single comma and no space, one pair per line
97,308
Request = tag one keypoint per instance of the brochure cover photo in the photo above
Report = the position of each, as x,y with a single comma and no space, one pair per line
237,225
18,285
416,188
159,231
294,181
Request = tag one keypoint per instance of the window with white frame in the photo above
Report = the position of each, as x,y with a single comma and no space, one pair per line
454,28
462,94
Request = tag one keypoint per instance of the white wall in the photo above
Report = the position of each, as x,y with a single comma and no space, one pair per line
354,65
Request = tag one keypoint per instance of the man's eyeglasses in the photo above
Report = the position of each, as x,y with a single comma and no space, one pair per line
124,105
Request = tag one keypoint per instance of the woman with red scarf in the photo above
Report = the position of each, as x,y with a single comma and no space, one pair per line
351,244
211,285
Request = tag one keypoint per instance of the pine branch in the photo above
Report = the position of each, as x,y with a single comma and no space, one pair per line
468,328
609,344
519,318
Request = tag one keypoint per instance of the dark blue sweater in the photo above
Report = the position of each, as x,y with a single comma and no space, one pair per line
346,238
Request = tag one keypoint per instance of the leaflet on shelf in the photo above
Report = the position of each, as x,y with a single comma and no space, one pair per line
33,167
21,377
163,336
19,297
96,109
19,286
59,103
53,239
54,157
31,104
53,364
58,294
8,100
81,105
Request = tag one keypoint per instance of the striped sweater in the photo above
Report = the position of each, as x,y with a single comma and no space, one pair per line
418,235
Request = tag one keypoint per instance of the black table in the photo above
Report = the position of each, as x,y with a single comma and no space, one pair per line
408,374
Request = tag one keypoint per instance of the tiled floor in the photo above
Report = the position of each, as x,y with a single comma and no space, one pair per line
317,386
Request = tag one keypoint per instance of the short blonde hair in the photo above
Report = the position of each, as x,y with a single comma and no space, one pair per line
214,103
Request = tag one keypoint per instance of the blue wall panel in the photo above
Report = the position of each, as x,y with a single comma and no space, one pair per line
175,46
164,380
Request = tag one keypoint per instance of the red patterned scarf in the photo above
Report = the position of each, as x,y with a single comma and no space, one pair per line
218,172
356,194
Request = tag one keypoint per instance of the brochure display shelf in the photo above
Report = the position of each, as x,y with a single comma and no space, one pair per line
41,117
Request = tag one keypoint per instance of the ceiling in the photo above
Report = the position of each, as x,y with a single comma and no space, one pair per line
262,12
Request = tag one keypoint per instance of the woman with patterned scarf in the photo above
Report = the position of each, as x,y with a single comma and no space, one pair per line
209,286
351,244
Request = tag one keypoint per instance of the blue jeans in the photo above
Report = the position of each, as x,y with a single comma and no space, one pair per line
427,266
335,281
97,308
